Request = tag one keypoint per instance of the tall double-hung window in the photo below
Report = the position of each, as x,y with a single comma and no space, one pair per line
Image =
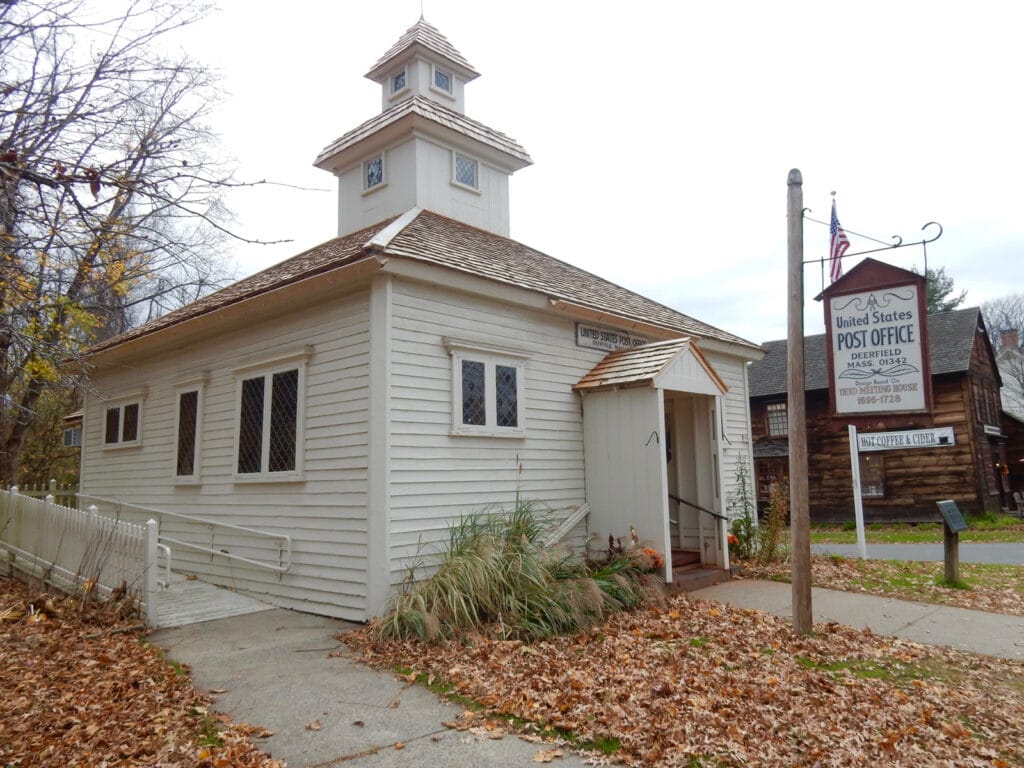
488,390
269,430
188,428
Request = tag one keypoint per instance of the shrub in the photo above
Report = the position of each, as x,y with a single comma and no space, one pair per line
750,540
497,576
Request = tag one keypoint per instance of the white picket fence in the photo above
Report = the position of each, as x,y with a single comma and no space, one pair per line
70,547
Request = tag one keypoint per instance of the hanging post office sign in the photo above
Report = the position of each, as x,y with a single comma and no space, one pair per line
876,339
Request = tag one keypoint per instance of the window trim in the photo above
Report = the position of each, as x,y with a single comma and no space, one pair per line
75,433
383,174
490,356
120,403
867,459
768,418
455,179
404,71
197,385
450,91
297,362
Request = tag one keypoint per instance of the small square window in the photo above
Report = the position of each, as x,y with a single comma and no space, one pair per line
374,172
488,396
398,82
121,425
442,80
466,171
73,437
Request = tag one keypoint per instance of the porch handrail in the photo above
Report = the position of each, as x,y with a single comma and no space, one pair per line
698,507
567,525
284,558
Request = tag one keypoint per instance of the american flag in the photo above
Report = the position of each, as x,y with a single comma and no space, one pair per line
839,243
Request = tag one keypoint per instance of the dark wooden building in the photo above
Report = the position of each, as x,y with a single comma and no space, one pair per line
896,484
1011,367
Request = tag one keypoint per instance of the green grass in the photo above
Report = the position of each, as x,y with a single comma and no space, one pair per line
897,674
981,528
957,584
209,729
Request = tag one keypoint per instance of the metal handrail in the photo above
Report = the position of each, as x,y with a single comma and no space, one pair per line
698,507
285,559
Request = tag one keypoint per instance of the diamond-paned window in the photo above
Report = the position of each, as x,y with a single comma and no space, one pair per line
466,171
488,392
375,172
442,80
283,414
188,419
474,402
268,423
250,426
506,396
398,82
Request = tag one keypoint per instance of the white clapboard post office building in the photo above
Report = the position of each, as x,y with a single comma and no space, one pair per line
348,404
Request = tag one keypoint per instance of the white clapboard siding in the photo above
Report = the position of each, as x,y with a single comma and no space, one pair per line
437,476
737,449
324,513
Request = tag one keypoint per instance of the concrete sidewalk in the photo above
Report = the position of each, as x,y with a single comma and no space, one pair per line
276,672
992,634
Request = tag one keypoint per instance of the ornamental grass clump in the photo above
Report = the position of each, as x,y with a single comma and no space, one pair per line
497,576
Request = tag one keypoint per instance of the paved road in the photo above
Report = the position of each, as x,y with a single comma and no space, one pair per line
1000,554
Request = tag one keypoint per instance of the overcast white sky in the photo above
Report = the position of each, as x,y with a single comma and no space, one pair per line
662,133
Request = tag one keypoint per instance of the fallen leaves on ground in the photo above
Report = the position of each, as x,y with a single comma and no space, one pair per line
703,684
993,588
80,688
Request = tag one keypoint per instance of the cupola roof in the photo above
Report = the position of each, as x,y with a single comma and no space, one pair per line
425,36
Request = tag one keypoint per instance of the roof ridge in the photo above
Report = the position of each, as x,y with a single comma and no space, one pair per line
383,237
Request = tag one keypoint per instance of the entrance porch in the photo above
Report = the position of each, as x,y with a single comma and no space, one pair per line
653,457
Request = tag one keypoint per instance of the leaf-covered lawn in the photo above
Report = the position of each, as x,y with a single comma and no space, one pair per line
701,684
80,689
992,588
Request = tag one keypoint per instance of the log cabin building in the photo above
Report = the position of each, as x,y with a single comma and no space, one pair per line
898,484
1011,368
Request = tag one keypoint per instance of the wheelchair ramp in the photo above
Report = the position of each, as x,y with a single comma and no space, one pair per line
185,601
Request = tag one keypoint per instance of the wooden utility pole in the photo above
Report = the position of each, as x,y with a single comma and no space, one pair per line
803,621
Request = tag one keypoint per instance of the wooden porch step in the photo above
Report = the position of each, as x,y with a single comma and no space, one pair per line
683,557
691,579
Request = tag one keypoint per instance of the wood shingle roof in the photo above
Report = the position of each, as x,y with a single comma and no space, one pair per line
430,37
426,237
426,109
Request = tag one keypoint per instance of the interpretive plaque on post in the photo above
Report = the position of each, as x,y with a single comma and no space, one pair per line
952,516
